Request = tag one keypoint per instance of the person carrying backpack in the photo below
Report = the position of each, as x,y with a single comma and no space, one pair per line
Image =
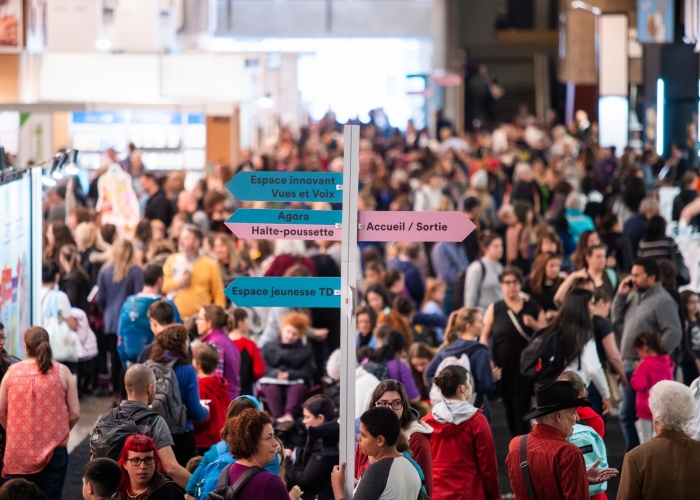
205,478
567,344
177,390
135,330
480,282
133,415
461,339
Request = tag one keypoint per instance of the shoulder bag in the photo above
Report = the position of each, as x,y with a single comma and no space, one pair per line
64,341
525,469
516,323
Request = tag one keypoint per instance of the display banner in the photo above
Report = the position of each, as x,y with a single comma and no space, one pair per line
15,263
11,27
655,21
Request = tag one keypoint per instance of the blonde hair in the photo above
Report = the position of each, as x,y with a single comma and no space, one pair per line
432,285
123,259
227,241
458,322
87,235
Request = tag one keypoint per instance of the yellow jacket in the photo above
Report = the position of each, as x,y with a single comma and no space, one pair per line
206,286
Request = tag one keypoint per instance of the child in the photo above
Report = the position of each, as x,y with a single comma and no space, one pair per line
100,478
289,370
653,366
434,300
252,364
213,389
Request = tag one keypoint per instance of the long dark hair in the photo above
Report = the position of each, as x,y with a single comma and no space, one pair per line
394,343
686,295
656,229
573,323
38,347
539,274
396,386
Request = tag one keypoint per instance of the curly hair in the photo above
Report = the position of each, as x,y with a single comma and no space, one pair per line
173,340
243,432
671,405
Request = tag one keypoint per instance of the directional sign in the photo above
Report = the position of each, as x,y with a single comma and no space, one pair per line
414,226
246,291
287,186
286,224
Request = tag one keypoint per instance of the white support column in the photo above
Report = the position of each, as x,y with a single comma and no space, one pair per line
348,281
36,218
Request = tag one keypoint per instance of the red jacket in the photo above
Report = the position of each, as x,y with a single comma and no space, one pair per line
464,459
588,416
214,388
252,364
283,262
651,369
419,446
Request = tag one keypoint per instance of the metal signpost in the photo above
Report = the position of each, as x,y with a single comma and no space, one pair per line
347,226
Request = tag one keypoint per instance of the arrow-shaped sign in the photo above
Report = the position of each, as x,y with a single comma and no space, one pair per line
251,223
414,226
287,186
247,291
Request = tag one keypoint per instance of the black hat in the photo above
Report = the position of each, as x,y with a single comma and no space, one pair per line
555,396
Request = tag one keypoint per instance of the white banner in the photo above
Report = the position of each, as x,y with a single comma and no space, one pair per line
35,137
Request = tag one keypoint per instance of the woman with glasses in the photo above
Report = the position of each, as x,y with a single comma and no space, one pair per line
391,394
508,327
142,472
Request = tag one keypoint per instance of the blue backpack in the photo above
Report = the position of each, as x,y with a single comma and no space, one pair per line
593,448
134,332
206,477
209,475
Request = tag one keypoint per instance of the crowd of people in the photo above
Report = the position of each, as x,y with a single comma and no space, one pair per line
566,294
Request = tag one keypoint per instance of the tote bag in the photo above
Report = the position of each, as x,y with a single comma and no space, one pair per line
64,341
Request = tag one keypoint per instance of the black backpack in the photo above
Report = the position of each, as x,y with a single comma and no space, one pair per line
458,287
223,489
111,430
543,360
168,399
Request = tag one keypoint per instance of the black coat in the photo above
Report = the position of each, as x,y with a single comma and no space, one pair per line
77,287
312,470
295,359
159,207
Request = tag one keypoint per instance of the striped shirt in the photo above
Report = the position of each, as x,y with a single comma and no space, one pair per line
556,466
661,249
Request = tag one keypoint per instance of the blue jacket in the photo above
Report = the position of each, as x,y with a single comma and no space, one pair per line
189,390
480,361
412,278
111,296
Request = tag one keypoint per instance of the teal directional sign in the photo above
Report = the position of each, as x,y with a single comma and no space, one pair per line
287,186
247,291
270,216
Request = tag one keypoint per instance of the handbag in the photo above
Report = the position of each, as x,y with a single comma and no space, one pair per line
64,341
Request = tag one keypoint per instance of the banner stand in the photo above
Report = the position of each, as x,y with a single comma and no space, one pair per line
348,285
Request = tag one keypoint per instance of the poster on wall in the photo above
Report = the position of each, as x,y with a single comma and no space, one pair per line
655,20
10,25
15,264
35,137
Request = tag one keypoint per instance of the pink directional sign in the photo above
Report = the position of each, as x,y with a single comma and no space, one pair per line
285,231
414,226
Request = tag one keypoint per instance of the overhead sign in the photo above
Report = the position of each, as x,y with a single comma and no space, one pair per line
414,226
247,291
286,224
287,186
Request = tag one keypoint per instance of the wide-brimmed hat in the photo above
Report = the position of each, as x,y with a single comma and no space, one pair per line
555,396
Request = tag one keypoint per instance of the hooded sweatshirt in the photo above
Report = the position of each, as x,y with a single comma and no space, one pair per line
464,455
215,389
480,361
651,369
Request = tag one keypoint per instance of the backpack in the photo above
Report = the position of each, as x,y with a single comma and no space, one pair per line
209,476
134,332
543,359
168,400
110,432
224,491
435,393
593,448
458,287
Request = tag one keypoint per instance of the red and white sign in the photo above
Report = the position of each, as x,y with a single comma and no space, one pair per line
414,226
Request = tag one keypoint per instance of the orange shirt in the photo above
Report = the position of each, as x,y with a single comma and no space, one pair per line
37,417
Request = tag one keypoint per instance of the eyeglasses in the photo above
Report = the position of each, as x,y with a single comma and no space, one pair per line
394,405
136,461
2,337
515,282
